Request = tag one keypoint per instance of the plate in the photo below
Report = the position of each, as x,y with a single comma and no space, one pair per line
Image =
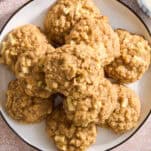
120,17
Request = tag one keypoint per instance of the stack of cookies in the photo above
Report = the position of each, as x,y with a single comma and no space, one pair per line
74,57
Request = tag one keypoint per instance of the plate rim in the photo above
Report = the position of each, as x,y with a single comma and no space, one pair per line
122,142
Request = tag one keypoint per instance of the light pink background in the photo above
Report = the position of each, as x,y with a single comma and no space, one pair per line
10,142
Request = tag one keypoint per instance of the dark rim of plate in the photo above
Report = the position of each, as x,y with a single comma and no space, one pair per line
108,148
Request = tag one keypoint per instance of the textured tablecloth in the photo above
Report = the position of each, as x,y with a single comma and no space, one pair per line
10,142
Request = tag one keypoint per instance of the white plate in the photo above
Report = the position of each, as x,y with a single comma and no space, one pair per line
120,17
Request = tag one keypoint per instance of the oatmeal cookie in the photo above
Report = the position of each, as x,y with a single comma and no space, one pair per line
108,98
63,15
72,66
66,136
95,104
97,33
134,59
30,69
24,108
127,112
20,40
82,107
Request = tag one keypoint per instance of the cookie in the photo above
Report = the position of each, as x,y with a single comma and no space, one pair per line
97,33
82,107
108,98
72,66
127,113
134,59
24,108
94,105
66,136
30,69
63,15
22,39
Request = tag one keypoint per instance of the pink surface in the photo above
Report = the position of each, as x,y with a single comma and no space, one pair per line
10,142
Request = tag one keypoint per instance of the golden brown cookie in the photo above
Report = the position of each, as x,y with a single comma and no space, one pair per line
108,98
22,39
95,104
72,66
24,108
134,59
30,69
66,136
97,33
127,113
83,107
63,15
